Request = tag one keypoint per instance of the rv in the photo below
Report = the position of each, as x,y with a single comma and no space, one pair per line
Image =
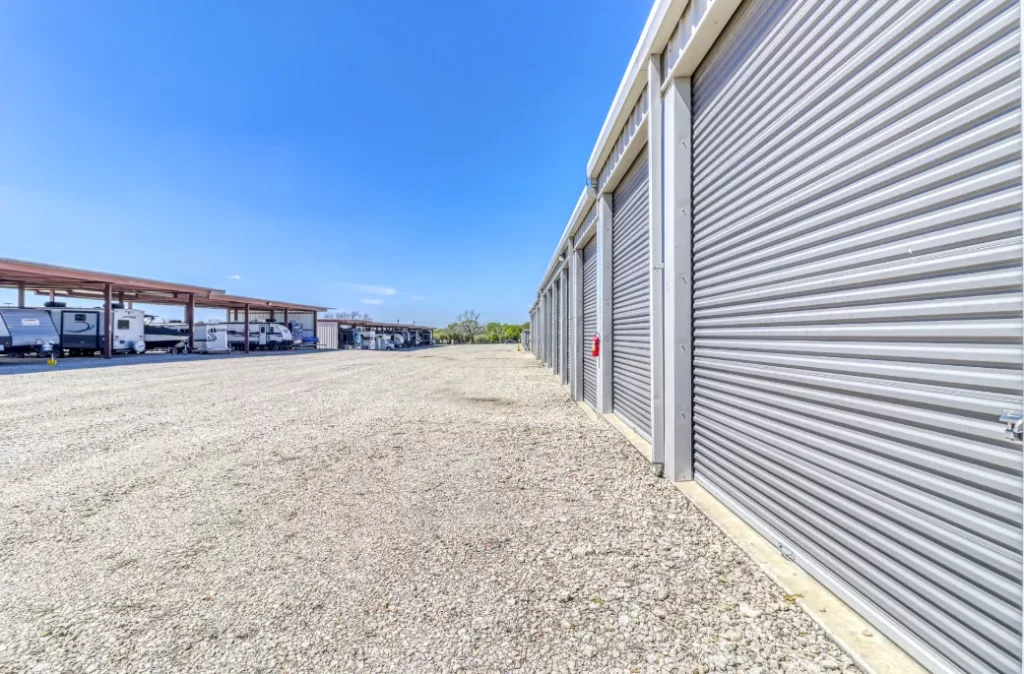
377,342
27,331
211,339
270,336
82,330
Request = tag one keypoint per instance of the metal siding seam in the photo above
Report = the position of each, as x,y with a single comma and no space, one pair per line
858,318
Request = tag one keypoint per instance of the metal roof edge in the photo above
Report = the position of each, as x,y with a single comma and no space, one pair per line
587,198
662,20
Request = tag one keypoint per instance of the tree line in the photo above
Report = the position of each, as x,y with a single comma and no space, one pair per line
467,329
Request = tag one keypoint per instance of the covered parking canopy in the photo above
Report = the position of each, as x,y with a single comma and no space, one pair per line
53,280
58,281
246,308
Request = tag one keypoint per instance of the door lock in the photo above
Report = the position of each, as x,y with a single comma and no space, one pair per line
1014,421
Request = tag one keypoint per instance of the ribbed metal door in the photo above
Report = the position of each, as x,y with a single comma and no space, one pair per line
589,321
567,362
857,306
631,299
558,328
547,328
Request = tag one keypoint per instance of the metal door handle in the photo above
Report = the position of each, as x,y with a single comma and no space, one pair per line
1014,421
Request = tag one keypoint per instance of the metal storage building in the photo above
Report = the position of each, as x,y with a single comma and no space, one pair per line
800,251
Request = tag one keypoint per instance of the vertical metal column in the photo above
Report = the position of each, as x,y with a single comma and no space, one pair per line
654,203
246,340
604,302
190,309
21,295
576,326
316,326
678,350
108,332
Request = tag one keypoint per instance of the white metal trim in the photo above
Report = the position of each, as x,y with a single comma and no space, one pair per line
678,349
604,303
655,130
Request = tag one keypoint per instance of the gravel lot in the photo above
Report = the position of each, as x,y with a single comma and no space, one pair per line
435,511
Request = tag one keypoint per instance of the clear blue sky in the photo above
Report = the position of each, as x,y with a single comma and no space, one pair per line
298,151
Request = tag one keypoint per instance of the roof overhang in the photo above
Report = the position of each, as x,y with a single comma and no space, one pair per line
36,276
687,30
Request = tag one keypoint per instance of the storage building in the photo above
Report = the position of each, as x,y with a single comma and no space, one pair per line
798,259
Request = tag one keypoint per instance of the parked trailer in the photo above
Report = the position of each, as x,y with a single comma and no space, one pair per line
27,331
82,330
267,336
211,339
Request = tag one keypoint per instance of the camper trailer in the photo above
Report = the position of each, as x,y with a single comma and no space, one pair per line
211,339
27,331
82,330
269,336
377,342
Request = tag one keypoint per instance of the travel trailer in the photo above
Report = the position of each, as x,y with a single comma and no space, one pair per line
269,336
27,331
81,330
211,339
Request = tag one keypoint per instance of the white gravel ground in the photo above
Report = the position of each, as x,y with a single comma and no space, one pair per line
437,511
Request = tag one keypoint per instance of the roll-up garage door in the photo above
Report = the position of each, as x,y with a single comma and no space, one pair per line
631,299
548,335
558,328
566,340
589,322
857,306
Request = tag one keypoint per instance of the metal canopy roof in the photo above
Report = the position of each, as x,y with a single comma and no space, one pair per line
36,276
363,323
255,304
85,284
212,301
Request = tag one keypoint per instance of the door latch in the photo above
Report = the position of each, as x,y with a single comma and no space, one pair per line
1014,421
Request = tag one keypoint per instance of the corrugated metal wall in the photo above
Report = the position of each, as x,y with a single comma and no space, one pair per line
277,316
589,322
327,334
631,299
857,290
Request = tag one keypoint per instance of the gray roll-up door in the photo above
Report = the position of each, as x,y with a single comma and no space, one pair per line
547,328
566,337
558,328
857,306
631,299
589,322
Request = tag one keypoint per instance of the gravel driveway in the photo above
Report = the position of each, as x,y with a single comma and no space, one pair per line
435,511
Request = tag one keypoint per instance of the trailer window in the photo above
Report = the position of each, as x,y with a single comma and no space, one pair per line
122,324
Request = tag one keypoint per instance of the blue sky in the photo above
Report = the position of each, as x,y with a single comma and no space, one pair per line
410,159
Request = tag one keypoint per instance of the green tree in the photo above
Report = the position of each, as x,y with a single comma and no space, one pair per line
512,331
469,325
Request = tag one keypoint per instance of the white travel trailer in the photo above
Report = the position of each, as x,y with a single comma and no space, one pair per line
82,330
268,336
211,339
